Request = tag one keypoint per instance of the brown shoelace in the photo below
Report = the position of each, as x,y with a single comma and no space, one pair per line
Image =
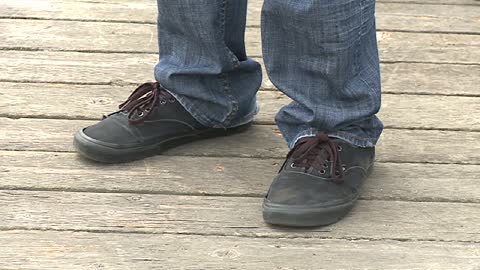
316,152
143,100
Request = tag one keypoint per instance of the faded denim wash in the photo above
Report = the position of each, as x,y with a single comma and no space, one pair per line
321,53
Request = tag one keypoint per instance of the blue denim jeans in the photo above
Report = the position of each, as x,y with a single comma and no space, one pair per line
321,53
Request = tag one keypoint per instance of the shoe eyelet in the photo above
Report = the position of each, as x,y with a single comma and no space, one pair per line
172,100
323,172
293,166
147,110
163,102
325,165
337,173
344,167
339,148
140,114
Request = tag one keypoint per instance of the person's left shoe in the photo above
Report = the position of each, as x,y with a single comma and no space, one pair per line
318,184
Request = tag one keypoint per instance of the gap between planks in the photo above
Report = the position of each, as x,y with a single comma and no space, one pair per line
232,216
133,52
396,14
264,88
255,122
379,29
222,177
352,239
259,141
114,38
125,69
399,111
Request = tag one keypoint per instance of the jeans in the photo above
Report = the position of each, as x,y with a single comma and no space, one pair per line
321,53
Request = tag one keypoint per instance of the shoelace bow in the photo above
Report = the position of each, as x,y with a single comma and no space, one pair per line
143,100
316,152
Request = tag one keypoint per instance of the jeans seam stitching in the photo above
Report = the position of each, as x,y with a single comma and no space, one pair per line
233,112
363,32
371,88
226,85
232,56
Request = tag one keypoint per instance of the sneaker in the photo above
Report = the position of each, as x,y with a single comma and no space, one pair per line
319,182
150,121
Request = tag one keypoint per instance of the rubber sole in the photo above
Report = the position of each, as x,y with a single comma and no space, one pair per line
281,215
308,216
101,152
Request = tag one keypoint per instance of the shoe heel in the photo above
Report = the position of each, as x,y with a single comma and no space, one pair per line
224,132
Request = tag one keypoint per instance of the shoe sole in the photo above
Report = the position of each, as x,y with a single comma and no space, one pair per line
282,215
305,217
97,151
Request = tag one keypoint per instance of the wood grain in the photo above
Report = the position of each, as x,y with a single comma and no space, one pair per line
404,16
121,69
231,216
122,37
80,251
90,102
395,15
426,146
223,176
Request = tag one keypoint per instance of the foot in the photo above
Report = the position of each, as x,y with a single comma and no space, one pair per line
318,184
150,121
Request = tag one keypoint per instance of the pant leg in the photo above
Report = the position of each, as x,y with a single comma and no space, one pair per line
323,54
203,61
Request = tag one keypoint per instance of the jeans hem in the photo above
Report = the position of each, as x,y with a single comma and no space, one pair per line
189,106
345,136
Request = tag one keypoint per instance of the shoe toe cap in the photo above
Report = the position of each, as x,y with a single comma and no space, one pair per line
110,131
300,189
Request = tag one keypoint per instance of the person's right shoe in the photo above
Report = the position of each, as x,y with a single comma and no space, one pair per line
318,184
149,122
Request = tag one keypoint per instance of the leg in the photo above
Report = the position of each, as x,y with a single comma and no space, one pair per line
203,61
322,54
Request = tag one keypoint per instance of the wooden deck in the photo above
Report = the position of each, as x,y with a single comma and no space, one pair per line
63,63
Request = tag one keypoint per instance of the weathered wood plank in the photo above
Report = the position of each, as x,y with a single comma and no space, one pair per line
80,250
78,36
70,67
260,141
222,176
400,15
118,68
230,216
120,37
440,48
429,79
90,102
395,15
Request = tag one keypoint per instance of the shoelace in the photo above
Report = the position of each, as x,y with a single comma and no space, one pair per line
143,100
316,152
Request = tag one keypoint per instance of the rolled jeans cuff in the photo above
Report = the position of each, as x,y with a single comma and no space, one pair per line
203,117
342,135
